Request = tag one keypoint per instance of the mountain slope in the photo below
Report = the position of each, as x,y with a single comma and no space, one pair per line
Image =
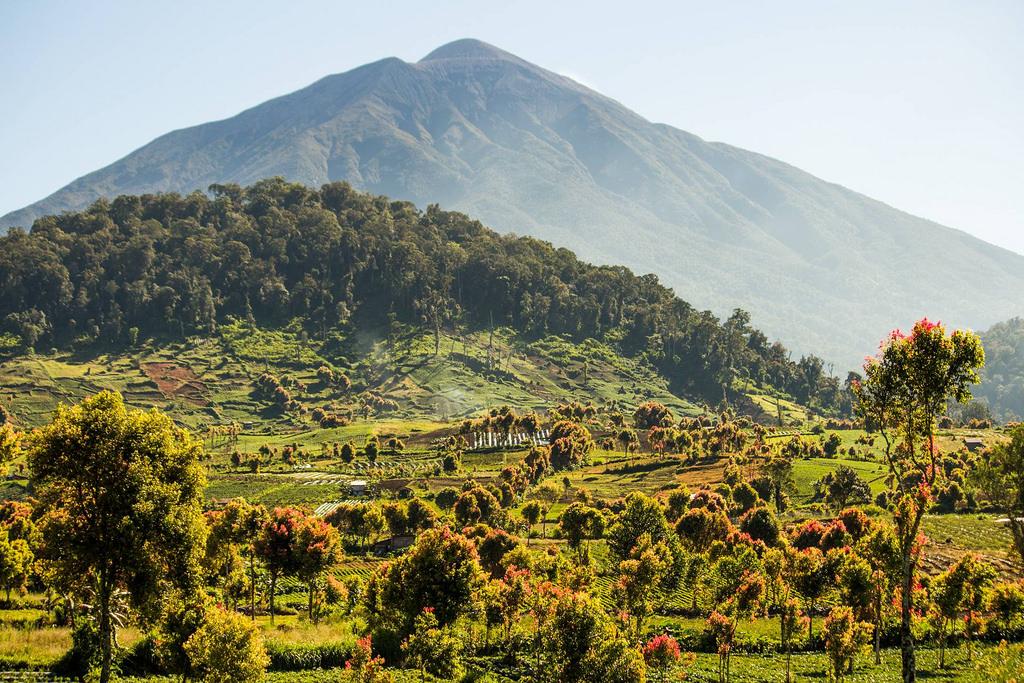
479,130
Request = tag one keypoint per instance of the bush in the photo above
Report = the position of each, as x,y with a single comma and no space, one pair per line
303,657
227,648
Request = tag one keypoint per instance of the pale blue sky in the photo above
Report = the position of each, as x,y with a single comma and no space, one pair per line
919,104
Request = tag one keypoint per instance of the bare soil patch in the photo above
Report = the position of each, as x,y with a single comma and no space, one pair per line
177,381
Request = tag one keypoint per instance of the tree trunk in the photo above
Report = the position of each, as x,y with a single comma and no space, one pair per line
942,644
105,627
310,606
252,585
908,662
273,586
878,627
968,629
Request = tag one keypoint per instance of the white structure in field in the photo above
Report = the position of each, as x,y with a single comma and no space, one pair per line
481,440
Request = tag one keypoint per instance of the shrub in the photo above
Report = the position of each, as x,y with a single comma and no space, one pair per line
652,414
227,648
304,657
761,525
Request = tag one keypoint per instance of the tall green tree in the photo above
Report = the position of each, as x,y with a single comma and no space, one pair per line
641,515
441,572
906,388
121,497
241,523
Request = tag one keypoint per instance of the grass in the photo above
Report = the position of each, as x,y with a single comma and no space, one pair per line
809,470
971,532
32,647
990,665
36,648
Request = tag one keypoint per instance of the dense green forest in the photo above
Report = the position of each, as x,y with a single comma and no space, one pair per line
1003,377
168,266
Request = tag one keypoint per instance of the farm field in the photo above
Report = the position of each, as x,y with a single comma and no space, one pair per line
317,477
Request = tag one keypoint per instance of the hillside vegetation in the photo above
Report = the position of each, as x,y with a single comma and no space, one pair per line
277,296
1003,377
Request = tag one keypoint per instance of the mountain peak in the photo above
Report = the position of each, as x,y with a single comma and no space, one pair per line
468,48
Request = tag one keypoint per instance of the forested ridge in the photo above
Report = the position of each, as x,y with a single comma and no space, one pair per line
168,266
1003,377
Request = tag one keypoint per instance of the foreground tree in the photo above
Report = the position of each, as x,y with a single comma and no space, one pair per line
843,635
121,497
791,621
15,564
723,629
638,578
581,645
905,389
882,551
662,653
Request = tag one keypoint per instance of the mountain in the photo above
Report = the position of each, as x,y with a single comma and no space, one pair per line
1002,380
474,128
237,305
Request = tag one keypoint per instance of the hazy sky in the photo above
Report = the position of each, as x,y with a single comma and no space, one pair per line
919,104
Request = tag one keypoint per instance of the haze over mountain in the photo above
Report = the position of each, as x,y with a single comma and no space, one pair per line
474,128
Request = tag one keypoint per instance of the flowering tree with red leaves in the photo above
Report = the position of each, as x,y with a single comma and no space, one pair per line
318,548
661,654
723,628
277,545
792,620
511,598
904,391
808,535
364,667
